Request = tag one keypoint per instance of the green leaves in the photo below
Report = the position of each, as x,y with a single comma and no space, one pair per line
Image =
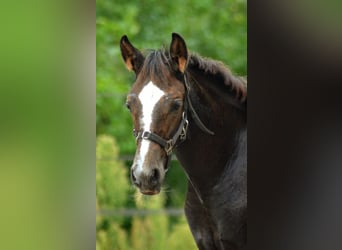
112,184
153,232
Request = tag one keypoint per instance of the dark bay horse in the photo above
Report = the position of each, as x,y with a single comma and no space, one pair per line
195,107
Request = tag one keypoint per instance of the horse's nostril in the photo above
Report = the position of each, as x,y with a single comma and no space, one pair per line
155,176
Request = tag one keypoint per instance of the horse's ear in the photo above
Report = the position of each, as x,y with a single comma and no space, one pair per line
179,52
132,57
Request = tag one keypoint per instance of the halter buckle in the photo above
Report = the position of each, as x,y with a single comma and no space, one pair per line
182,136
168,147
145,135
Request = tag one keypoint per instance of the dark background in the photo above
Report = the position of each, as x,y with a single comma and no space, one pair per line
294,123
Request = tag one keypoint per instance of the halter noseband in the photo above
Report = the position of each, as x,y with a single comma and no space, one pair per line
167,145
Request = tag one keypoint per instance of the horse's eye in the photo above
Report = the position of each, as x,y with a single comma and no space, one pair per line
176,105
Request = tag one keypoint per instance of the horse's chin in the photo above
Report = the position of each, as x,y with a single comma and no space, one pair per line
150,192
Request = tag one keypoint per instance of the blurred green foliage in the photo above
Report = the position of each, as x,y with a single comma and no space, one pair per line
211,28
112,184
47,120
152,232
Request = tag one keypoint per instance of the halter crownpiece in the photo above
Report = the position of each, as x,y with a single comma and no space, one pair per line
192,110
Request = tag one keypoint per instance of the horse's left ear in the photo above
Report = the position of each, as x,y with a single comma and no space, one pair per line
179,52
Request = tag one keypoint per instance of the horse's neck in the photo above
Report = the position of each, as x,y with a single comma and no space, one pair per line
207,160
204,157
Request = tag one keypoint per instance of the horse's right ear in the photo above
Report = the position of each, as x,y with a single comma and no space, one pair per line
179,52
132,57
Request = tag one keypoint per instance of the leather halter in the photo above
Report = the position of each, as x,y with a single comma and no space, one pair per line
167,145
181,133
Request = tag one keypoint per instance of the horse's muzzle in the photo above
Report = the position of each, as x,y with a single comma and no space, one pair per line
148,182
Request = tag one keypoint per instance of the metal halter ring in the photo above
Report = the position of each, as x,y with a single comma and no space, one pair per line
168,147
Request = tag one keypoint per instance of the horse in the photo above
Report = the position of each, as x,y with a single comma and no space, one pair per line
195,107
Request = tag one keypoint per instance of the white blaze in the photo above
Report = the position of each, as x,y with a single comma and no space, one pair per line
149,97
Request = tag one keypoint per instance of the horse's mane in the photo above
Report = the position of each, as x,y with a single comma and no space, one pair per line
209,66
155,58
